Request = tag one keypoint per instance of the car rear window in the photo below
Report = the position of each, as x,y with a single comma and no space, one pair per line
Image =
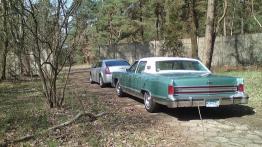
117,63
179,65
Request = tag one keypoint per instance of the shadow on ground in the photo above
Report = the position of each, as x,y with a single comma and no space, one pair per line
187,114
223,112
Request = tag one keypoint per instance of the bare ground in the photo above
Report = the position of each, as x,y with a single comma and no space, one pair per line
239,125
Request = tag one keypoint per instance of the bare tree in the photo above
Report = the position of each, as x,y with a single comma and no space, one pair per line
48,25
193,31
141,5
158,11
253,13
209,36
18,34
211,31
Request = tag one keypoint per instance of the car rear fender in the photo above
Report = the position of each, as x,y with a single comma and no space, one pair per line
147,86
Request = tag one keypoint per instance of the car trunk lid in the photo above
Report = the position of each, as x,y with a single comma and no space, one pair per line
117,68
202,83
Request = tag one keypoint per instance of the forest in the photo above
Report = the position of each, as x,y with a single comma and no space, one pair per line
79,28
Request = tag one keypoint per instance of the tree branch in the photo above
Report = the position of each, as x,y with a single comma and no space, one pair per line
253,13
222,17
74,119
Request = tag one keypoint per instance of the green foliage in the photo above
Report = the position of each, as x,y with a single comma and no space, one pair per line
173,28
109,22
253,87
79,57
141,21
52,143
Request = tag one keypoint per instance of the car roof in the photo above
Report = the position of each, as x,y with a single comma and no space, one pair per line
105,60
167,58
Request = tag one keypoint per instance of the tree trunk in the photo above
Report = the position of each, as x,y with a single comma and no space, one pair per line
242,25
141,19
193,32
209,35
224,23
110,41
6,41
157,27
26,60
157,13
4,57
225,27
26,65
232,19
242,17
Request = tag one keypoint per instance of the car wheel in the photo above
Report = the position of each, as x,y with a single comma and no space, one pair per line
113,84
101,82
91,79
119,90
150,105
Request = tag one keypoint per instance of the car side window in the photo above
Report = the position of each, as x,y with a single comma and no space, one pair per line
141,66
96,64
133,67
99,64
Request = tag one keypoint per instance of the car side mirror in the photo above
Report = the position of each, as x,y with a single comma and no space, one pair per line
127,70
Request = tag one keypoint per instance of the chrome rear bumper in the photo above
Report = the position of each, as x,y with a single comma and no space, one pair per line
196,103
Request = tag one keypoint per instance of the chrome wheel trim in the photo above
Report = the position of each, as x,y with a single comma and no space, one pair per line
100,81
147,98
118,88
90,79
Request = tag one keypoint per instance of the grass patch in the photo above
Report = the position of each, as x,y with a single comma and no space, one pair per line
21,109
253,86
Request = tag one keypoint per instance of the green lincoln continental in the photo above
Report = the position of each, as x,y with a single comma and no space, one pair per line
178,82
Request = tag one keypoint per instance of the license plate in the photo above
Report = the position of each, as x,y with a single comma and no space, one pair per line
212,103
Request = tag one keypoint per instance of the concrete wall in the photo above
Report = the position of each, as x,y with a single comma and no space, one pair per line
230,50
13,65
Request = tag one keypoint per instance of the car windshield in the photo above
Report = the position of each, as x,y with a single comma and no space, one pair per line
117,63
179,65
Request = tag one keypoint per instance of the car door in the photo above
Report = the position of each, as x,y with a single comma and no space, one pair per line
137,77
93,72
97,70
128,76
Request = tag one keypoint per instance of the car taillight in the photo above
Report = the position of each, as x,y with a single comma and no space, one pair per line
171,90
240,88
107,71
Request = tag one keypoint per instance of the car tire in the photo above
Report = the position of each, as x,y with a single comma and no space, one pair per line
119,90
149,103
91,79
101,82
113,85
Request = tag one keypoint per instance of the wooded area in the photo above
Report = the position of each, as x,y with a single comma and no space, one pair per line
45,36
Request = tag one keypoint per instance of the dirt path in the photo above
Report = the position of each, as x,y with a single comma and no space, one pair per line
226,126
